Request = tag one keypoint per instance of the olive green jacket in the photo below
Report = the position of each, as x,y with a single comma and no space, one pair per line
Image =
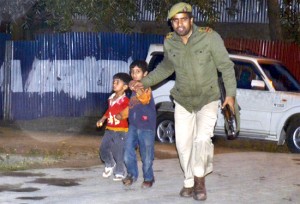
195,65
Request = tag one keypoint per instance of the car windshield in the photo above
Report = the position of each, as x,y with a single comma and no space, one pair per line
281,79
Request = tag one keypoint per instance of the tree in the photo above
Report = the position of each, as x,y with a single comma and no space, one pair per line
11,10
284,19
59,14
290,20
120,15
114,15
274,20
207,8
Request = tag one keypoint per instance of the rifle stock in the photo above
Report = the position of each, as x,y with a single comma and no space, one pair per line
229,117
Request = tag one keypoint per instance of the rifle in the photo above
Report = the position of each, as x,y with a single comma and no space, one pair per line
230,120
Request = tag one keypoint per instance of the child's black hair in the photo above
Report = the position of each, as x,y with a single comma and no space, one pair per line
126,78
141,64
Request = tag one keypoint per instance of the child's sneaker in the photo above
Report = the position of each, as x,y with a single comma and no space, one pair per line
108,171
118,177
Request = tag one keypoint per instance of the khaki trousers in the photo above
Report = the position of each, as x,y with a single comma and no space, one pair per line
193,140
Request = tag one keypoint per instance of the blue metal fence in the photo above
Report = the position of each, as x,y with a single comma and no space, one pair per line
3,39
69,74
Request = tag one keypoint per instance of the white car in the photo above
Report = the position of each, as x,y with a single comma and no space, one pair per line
268,95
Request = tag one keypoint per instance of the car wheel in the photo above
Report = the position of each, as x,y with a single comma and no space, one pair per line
293,137
165,129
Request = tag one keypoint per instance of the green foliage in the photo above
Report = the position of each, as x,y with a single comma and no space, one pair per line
10,10
290,21
119,15
232,10
60,14
207,8
113,15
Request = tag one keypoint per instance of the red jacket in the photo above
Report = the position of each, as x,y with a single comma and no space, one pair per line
114,108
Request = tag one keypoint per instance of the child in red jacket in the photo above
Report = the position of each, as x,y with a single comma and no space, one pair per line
111,150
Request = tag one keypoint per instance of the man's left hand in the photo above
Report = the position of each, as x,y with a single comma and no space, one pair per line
135,85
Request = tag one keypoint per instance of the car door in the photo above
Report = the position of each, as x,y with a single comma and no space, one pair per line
256,104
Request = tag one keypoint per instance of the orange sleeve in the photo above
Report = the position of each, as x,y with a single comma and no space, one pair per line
124,113
125,104
144,95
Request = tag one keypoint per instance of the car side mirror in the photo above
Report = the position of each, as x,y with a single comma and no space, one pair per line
258,85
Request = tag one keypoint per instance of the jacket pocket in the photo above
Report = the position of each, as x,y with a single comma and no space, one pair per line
175,57
210,89
202,57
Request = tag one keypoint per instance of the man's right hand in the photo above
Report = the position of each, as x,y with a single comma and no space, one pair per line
135,85
229,100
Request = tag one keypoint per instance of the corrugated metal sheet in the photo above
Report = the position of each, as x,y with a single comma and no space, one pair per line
3,38
250,11
247,11
68,74
288,53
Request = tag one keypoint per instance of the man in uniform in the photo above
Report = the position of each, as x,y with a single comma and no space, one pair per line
194,54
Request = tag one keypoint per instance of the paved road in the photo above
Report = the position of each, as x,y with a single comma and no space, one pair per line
249,177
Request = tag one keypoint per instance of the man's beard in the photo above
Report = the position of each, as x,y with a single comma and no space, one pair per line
182,32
